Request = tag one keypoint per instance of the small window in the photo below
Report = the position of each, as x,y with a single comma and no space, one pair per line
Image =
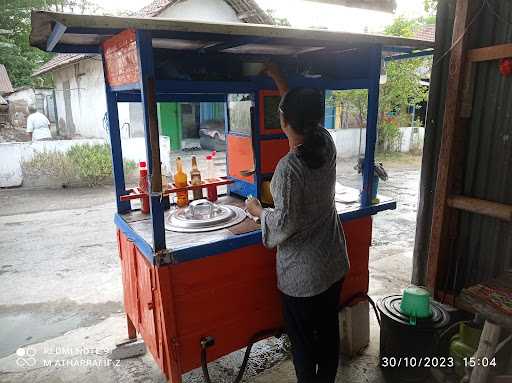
239,107
271,108
346,109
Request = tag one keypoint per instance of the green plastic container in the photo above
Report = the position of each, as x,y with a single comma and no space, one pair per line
464,345
416,304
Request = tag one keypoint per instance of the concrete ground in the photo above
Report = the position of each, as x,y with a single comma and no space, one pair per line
61,292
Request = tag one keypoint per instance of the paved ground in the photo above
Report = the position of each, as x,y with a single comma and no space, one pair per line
61,292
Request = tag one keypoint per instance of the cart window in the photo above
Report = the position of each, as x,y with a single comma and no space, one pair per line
345,119
271,107
346,109
239,107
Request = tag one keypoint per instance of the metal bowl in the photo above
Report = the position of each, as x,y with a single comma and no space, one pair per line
202,215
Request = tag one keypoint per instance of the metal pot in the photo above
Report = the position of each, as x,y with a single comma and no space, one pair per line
203,215
406,343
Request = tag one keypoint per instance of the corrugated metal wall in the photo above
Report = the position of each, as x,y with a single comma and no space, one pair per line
432,143
483,246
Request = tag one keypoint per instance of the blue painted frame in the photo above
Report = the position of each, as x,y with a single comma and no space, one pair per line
144,247
371,125
115,147
68,48
171,97
147,76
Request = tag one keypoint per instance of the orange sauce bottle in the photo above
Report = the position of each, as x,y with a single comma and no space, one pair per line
180,180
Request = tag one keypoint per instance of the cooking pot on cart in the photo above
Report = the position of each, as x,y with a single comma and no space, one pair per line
203,215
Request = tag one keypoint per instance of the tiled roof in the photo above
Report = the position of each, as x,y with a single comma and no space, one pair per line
247,11
426,32
5,82
59,61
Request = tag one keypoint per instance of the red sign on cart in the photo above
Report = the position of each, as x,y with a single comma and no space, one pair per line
121,61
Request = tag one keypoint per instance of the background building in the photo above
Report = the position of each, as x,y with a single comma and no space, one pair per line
80,89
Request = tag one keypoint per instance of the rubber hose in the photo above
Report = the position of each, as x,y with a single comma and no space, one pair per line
208,342
365,297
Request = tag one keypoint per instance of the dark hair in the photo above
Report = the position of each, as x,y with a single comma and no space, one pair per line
303,110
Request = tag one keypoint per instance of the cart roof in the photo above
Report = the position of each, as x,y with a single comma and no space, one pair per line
71,33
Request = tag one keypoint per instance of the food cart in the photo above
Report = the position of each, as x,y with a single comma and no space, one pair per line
196,293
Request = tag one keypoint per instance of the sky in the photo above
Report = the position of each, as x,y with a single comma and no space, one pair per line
303,14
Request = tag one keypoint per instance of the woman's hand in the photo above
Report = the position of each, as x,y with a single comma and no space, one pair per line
253,206
272,70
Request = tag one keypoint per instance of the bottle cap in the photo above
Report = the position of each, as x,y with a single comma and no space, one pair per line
142,164
208,157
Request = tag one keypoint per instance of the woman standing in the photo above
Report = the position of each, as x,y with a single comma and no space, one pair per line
304,226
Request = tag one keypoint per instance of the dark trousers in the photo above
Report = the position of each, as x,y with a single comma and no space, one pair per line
313,328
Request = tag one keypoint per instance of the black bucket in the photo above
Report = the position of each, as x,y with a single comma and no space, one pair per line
404,346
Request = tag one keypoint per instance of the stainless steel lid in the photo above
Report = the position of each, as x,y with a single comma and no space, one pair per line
202,215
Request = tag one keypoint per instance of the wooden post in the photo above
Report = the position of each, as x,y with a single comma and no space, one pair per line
486,349
446,163
132,332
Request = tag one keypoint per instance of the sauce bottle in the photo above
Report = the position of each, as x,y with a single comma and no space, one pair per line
180,180
210,168
195,179
212,189
143,185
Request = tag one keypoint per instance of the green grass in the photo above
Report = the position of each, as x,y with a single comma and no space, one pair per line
396,157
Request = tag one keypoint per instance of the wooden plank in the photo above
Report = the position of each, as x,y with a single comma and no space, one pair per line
445,164
486,348
468,90
494,52
490,299
482,207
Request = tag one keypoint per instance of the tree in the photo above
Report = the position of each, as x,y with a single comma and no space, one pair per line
402,89
430,7
282,21
353,102
19,58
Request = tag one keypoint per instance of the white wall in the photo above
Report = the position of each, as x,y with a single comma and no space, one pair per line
12,154
412,139
88,99
28,95
347,140
206,10
87,96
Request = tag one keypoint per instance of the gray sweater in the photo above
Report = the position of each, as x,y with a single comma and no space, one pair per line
304,225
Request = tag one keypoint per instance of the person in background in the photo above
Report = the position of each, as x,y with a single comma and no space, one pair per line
304,226
38,126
